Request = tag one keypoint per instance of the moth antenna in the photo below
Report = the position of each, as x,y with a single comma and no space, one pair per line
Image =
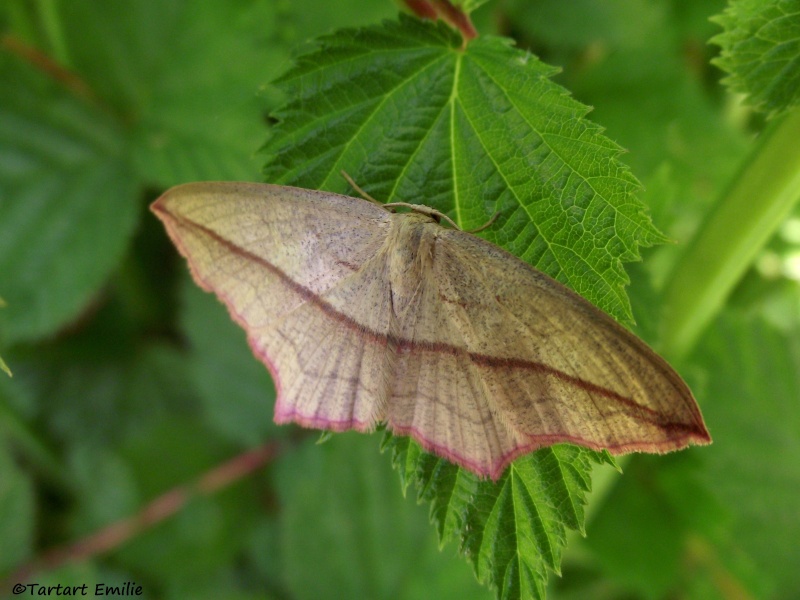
425,210
357,188
486,225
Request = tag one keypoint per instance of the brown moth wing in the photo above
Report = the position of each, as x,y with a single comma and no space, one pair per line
554,367
314,238
296,269
363,316
496,359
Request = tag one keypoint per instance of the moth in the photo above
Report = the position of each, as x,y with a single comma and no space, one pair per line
366,316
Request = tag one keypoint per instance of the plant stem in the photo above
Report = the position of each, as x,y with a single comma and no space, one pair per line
744,219
163,507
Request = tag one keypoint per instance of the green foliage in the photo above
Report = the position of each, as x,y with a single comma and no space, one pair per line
412,117
129,382
761,52
733,234
374,555
512,530
80,150
16,512
64,156
221,355
754,364
468,5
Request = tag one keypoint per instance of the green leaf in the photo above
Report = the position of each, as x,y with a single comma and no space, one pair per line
187,86
67,201
761,52
17,512
579,23
17,409
210,530
221,356
753,466
414,117
106,490
511,531
658,505
92,396
334,534
665,117
411,117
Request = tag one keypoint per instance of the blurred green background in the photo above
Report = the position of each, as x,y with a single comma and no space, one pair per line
129,381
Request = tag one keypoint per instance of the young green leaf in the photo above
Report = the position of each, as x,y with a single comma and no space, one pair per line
761,52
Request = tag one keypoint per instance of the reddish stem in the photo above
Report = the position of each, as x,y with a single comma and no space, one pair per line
456,18
445,10
47,65
422,8
154,512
